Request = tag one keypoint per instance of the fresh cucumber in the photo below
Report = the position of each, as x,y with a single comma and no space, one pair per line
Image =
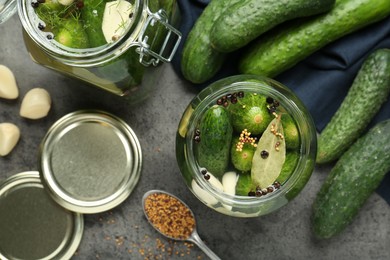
199,61
213,150
352,180
368,92
279,50
250,113
92,15
242,158
71,34
291,132
246,20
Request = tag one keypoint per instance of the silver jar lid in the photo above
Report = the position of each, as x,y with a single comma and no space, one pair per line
90,161
32,225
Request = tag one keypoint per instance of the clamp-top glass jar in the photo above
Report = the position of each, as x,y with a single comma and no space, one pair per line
114,45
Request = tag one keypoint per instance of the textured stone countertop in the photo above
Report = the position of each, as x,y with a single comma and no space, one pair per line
123,233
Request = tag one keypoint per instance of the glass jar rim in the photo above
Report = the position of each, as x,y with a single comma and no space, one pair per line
273,89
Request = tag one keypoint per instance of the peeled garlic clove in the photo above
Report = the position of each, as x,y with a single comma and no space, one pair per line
203,195
214,181
8,87
36,104
9,137
116,19
229,181
66,2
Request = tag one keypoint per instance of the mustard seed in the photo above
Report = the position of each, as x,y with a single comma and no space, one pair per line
169,215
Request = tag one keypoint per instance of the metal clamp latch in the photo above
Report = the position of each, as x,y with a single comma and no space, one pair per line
172,38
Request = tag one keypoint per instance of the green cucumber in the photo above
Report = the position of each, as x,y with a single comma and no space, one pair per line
351,181
291,132
216,131
242,158
251,113
289,165
71,34
281,49
244,185
199,61
92,15
368,92
246,20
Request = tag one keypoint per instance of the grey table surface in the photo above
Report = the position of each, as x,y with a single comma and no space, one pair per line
123,233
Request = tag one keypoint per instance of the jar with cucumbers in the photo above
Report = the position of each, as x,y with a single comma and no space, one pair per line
116,45
246,145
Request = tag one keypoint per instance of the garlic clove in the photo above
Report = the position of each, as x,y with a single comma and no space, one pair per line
8,86
9,137
116,19
36,104
229,181
215,182
66,2
203,195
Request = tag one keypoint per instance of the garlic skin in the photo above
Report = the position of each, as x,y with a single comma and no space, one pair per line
8,86
36,104
9,137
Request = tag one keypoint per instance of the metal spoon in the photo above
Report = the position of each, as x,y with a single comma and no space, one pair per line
193,237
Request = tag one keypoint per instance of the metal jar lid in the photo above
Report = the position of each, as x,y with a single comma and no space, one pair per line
90,161
32,225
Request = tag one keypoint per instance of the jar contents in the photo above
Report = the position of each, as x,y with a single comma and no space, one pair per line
251,135
169,215
84,23
116,45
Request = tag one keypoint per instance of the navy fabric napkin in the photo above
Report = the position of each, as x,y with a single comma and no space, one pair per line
321,80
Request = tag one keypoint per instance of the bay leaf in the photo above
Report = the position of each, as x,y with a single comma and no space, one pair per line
265,170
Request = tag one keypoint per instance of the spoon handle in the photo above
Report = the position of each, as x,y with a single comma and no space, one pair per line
199,242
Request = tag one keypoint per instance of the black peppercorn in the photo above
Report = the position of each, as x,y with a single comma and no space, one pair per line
251,194
270,100
41,27
272,109
35,4
264,154
240,94
207,177
197,138
203,171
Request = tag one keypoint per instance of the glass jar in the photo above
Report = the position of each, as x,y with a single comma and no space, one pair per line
226,195
81,39
7,9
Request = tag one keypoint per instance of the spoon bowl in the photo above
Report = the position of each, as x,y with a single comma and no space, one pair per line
189,234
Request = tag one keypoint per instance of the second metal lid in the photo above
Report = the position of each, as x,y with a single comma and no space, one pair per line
90,161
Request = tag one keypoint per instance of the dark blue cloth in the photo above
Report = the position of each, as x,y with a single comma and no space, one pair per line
321,80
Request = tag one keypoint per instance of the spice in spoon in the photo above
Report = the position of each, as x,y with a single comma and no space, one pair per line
169,215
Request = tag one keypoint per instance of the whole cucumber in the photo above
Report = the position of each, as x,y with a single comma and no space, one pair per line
216,132
246,20
368,92
70,32
199,61
351,182
281,49
92,15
